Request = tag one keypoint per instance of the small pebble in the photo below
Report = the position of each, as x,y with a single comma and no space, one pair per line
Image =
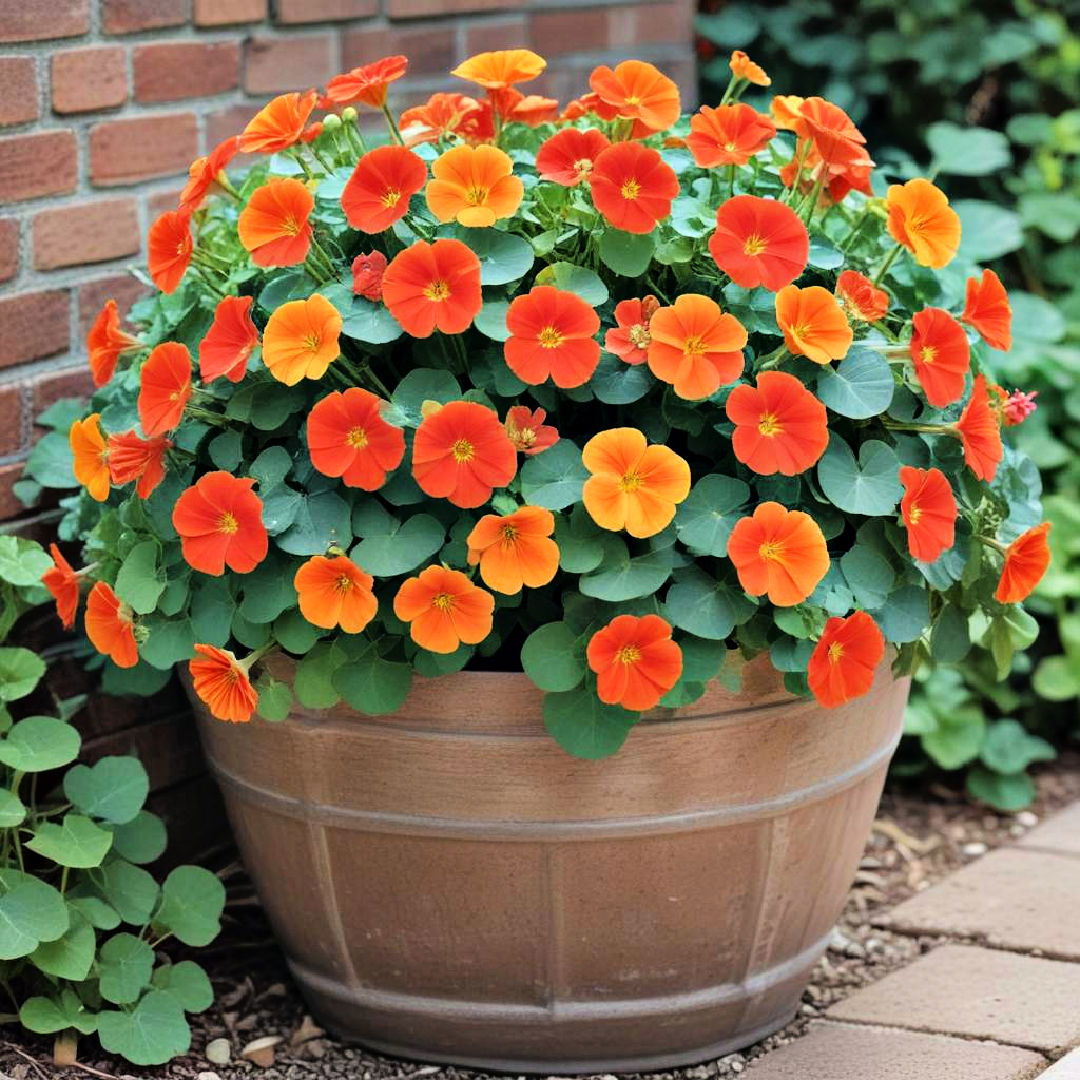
975,849
218,1052
207,1076
1026,819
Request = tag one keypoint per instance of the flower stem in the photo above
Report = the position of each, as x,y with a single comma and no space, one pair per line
889,260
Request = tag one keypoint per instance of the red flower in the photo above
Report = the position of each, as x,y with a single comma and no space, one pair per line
274,226
204,172
367,83
367,275
552,335
845,658
230,341
728,135
567,158
633,187
759,242
378,192
861,298
928,510
348,437
629,339
939,350
986,308
169,247
435,286
635,661
110,626
164,387
1026,560
279,124
526,429
980,433
219,520
141,460
63,585
106,343
221,683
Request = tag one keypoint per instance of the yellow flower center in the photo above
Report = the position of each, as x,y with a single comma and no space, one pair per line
443,601
356,438
583,166
509,534
755,244
312,342
344,584
631,189
180,248
630,481
769,426
290,226
693,346
633,100
476,196
914,514
928,354
836,652
463,451
550,338
639,336
799,330
227,524
628,654
771,551
730,145
437,291
390,198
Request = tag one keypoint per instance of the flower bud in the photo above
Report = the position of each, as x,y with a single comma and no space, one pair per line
332,122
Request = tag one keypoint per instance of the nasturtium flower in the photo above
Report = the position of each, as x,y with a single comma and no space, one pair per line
1018,406
63,585
514,550
333,591
979,431
861,298
204,172
302,339
142,460
568,156
367,275
638,91
230,341
784,110
168,248
444,609
219,521
835,142
928,510
987,309
552,335
629,339
633,486
279,124
921,220
780,427
529,109
813,323
635,660
759,242
728,135
474,186
500,69
90,456
778,552
222,684
695,346
443,115
845,658
110,626
940,354
742,67
378,192
632,186
106,343
164,387
1026,560
435,286
348,437
367,83
274,227
526,429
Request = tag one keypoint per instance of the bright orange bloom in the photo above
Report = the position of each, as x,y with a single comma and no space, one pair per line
138,459
219,519
435,286
629,339
335,592
447,114
728,135
836,143
498,70
279,124
636,90
462,453
695,346
526,429
552,335
567,158
1026,560
110,626
742,67
635,661
845,658
444,609
632,186
759,242
367,83
921,219
928,510
986,308
222,684
230,341
348,437
780,427
378,192
169,247
529,109
778,552
204,172
164,387
63,585
106,343
814,324
367,275
634,486
90,456
274,226
861,298
301,339
941,355
979,430
581,106
473,185
784,109
515,550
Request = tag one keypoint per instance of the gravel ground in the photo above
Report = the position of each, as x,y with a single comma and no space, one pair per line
258,1030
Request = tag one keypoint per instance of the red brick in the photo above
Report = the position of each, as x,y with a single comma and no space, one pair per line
160,201
9,505
84,80
429,47
305,11
287,63
131,16
228,12
123,288
11,418
69,383
228,122
43,163
43,20
86,233
554,33
491,34
648,24
180,69
9,248
18,89
126,151
33,325
415,9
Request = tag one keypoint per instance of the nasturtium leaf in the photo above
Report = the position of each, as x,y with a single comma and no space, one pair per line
270,468
575,279
790,654
94,910
154,1032
1008,748
48,1015
704,520
584,726
504,257
12,810
370,323
554,478
187,982
702,606
580,541
1057,678
1007,792
967,151
131,890
294,633
22,562
192,900
71,955
321,520
113,789
905,614
398,547
956,739
20,672
39,743
267,591
620,577
702,660
142,839
76,841
988,231
861,385
168,641
869,576
31,912
372,684
418,386
627,254
284,287
313,681
553,657
617,383
275,698
212,608
868,486
491,320
51,463
949,639
823,256
227,449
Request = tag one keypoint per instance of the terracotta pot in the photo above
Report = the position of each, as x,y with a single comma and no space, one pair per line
449,885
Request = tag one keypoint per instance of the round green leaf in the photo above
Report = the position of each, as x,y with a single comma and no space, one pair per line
70,955
192,900
22,562
114,789
188,983
1006,792
581,542
575,279
391,547
75,842
861,386
370,323
418,386
321,520
704,520
905,614
554,478
30,912
869,576
870,486
130,890
141,581
153,1033
988,231
39,743
552,657
628,254
491,320
47,1015
371,683
12,810
504,257
1008,748
20,672
1057,679
142,839
617,383
702,606
967,151
584,726
275,699
621,577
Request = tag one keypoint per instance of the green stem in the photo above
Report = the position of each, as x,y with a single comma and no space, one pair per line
889,260
392,124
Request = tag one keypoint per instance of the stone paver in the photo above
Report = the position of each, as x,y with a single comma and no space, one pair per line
976,993
1060,833
1068,1068
855,1052
1013,898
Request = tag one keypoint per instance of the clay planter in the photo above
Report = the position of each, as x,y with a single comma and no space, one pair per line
449,885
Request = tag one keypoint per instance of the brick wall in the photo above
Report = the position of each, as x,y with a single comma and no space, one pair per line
103,103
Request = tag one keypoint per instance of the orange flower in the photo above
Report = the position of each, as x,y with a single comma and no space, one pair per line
939,350
444,609
634,486
780,427
473,185
579,107
759,242
169,247
845,658
813,323
515,550
979,431
986,308
63,585
367,275
222,684
301,339
742,67
378,192
928,510
526,429
728,135
637,91
629,339
529,109
435,286
219,520
567,158
778,552
921,219
462,453
90,456
862,300
1026,560
106,343
279,124
632,186
204,172
635,661
335,592
836,143
695,346
785,109
110,626
230,341
443,115
274,225
348,437
552,336
498,70
141,460
164,387
367,83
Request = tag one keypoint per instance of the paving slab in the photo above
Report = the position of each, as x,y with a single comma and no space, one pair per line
1068,1068
978,994
833,1051
1013,898
1059,833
